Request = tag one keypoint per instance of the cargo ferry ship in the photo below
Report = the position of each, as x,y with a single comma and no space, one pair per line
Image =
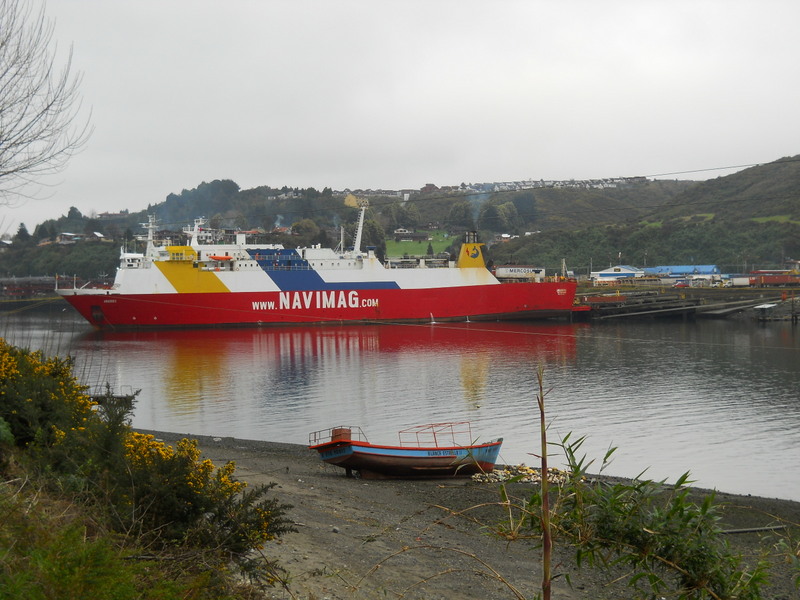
223,279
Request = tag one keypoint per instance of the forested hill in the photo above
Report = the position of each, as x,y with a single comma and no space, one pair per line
765,192
750,218
491,208
744,221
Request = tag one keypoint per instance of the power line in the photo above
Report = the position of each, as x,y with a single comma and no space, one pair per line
785,160
462,195
705,170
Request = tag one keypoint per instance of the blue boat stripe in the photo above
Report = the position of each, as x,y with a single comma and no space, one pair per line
291,273
294,281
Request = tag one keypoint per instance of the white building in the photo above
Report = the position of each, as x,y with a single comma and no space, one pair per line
612,274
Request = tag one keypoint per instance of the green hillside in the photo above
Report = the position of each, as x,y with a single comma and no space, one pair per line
745,220
765,193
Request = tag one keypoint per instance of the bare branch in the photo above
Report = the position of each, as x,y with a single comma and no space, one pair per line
39,102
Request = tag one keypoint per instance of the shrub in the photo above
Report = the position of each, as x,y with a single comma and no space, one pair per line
46,553
175,495
668,544
40,399
167,496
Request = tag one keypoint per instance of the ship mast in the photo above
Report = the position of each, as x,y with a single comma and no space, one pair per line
151,226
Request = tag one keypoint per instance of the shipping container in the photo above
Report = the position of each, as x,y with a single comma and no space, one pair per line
777,280
519,272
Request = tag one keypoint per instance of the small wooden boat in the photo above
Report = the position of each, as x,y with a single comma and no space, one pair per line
434,450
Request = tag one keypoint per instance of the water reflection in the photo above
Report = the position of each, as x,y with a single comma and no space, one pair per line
279,384
298,366
717,398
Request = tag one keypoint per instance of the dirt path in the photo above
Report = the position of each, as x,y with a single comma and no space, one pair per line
360,539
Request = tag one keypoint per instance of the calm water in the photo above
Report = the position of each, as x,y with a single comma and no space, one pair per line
718,398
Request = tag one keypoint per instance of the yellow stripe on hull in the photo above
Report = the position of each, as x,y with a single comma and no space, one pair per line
185,278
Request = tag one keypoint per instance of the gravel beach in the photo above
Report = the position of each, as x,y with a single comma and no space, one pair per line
430,539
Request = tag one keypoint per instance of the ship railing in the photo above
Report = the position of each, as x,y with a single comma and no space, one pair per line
339,433
270,266
92,285
449,434
412,262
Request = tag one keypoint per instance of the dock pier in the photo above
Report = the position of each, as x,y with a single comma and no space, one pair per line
709,303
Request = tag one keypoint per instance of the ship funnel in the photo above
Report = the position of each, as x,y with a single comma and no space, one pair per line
471,254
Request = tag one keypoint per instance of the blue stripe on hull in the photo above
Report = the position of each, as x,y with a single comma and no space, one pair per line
411,453
294,281
292,273
394,461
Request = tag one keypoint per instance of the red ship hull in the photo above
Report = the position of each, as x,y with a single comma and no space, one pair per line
476,303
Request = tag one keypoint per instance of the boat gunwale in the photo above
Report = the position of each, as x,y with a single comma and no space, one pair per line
338,443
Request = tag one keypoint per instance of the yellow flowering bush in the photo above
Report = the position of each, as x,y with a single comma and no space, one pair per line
40,399
168,495
178,494
144,451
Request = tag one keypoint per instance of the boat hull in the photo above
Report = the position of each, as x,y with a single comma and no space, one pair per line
114,310
393,462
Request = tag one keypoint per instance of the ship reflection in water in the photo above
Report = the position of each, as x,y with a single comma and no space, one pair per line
278,383
717,398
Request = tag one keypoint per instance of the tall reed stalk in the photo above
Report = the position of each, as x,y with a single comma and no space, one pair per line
547,538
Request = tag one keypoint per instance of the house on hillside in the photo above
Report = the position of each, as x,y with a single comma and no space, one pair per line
107,216
68,238
404,235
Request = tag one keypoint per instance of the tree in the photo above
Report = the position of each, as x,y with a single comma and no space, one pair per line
215,222
22,234
39,102
112,231
490,218
91,226
373,236
460,215
499,217
306,229
44,231
412,217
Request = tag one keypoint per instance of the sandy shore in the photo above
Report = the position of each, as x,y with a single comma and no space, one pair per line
361,539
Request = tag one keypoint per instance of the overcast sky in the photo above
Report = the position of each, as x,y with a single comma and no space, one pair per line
397,94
